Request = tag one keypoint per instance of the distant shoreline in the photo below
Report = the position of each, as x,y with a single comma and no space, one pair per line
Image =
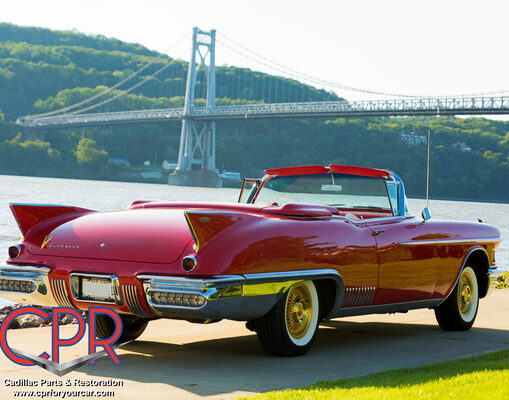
459,199
6,173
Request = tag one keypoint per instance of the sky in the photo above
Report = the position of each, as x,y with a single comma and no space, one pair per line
411,47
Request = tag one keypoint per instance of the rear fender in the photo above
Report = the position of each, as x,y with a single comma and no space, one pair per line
204,225
31,217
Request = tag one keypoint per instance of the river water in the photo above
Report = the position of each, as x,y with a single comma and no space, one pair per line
104,195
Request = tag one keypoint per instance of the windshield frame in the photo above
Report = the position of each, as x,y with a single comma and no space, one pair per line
392,179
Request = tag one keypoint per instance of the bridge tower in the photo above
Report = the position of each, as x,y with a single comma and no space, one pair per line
197,150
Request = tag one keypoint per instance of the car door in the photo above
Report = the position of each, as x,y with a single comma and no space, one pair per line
405,273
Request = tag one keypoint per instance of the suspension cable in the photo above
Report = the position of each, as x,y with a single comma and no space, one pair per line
141,69
124,92
306,77
296,74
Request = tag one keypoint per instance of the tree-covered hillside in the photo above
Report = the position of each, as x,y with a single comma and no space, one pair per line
43,70
36,64
43,36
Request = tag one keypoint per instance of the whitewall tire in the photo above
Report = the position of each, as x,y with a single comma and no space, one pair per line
458,311
290,327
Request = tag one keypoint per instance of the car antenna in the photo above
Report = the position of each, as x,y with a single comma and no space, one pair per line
426,213
332,176
427,172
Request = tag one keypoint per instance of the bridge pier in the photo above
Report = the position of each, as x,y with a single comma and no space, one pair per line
197,150
200,177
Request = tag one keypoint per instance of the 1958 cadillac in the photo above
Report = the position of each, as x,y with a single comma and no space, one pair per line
302,245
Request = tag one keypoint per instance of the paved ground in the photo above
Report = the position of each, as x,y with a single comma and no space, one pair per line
179,360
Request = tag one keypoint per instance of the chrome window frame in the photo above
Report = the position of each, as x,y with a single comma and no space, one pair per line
255,188
394,207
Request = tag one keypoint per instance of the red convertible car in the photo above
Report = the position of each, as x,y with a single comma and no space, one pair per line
302,245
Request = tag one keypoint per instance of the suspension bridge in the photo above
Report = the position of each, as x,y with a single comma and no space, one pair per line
196,160
326,109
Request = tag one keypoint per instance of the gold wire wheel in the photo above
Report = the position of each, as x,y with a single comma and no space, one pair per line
465,294
299,310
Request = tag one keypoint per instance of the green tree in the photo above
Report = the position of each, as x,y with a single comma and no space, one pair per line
29,157
89,156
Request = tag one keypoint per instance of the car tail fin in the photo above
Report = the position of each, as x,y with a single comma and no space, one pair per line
29,215
205,225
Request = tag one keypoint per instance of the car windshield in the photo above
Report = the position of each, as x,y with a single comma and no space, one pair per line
332,189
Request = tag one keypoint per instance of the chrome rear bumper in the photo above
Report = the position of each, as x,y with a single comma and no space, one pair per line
26,285
238,297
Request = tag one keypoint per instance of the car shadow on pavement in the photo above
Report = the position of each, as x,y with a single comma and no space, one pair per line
342,349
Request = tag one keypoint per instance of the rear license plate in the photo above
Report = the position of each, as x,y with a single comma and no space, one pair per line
96,289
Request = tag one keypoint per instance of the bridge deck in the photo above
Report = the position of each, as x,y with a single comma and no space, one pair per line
329,109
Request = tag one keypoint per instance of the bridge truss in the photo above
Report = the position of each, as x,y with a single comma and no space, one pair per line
326,109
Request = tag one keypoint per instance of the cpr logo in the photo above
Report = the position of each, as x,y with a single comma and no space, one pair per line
43,360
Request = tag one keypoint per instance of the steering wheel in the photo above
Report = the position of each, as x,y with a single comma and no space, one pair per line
275,202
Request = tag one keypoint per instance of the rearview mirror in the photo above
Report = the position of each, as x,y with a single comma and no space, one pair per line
426,214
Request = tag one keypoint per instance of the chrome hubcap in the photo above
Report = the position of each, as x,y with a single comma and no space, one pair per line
465,294
298,311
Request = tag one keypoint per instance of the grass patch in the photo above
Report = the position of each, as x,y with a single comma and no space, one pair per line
502,281
475,378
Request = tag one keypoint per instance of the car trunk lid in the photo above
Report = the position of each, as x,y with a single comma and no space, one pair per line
156,235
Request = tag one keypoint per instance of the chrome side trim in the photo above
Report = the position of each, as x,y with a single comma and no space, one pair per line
130,293
61,294
265,283
266,288
292,275
279,282
358,296
451,241
74,283
385,308
43,294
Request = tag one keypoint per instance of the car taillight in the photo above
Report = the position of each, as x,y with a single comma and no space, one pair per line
189,263
20,286
178,299
14,251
